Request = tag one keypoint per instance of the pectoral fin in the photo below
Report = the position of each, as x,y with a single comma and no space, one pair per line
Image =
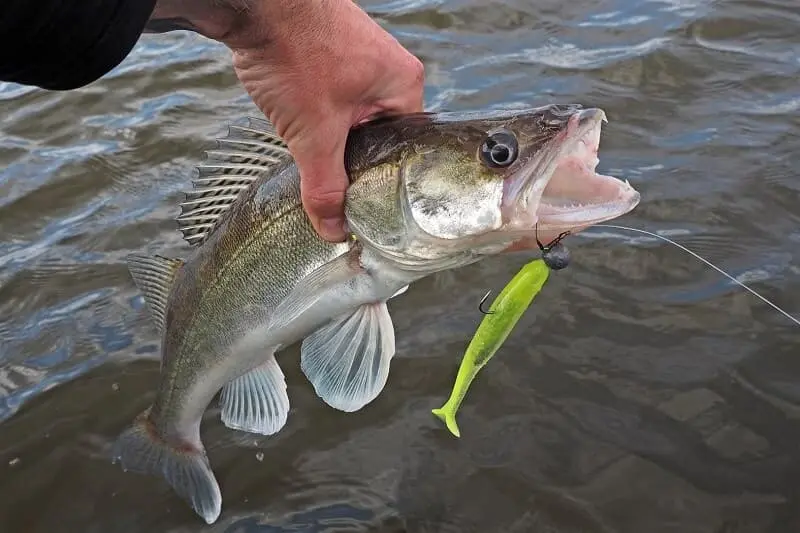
335,278
347,360
257,401
400,291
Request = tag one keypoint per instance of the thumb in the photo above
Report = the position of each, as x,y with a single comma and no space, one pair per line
323,181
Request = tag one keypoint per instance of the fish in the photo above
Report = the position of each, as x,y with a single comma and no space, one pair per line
428,192
492,332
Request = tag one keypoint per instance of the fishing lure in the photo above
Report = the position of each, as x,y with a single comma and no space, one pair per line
499,321
515,299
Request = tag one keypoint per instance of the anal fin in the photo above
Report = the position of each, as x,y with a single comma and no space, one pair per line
347,360
256,401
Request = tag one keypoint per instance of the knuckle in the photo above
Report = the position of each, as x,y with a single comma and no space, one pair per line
417,71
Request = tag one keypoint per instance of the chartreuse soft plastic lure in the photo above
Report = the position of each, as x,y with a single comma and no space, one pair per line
503,315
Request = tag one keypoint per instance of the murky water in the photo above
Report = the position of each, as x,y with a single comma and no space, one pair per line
642,393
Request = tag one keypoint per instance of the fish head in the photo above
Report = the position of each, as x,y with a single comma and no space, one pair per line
480,182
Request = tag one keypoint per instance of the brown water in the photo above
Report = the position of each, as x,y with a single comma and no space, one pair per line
642,393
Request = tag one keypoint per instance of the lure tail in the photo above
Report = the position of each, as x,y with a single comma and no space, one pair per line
504,313
447,414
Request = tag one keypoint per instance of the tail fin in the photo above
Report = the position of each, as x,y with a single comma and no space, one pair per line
447,414
139,449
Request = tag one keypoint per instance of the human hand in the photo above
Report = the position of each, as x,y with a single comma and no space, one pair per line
323,67
315,68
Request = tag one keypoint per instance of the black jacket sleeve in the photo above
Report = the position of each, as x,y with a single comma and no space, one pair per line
65,44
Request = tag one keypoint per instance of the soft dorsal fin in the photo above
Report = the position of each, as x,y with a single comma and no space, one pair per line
153,275
244,155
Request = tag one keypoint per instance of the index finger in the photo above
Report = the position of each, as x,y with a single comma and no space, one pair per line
323,180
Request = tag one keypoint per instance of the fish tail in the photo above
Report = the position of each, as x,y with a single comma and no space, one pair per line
185,467
447,414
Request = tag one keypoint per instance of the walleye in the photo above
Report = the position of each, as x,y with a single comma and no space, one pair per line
428,192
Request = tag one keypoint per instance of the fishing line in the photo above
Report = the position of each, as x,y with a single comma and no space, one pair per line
685,249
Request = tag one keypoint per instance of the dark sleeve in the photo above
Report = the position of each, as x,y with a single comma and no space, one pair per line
65,44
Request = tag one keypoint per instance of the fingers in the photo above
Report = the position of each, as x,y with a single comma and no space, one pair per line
320,156
415,94
323,182
406,94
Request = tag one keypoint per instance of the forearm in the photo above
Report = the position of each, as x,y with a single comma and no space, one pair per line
66,44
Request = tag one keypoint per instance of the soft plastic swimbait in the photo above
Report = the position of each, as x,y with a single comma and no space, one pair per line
499,320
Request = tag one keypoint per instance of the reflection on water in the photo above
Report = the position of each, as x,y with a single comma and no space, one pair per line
643,393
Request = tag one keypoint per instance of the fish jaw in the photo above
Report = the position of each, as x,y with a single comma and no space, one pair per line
560,190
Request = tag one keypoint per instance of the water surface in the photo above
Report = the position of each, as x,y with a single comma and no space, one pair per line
643,393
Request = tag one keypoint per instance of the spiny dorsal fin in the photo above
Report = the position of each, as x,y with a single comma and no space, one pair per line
244,155
153,275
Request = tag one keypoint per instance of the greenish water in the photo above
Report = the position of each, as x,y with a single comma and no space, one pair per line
642,393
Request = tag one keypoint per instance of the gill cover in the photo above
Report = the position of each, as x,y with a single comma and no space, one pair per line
449,193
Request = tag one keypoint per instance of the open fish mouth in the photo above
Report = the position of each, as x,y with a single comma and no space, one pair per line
560,189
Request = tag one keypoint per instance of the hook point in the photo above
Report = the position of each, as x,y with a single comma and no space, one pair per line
483,301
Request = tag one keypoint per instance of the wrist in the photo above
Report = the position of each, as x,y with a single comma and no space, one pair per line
210,18
242,24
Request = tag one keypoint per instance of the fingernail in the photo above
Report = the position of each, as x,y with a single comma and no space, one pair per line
333,228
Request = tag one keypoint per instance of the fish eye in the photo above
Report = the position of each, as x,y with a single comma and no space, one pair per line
500,149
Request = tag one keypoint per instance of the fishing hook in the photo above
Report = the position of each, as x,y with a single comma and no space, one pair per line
483,301
545,251
547,248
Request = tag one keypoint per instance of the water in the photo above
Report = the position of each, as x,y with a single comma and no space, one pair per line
642,393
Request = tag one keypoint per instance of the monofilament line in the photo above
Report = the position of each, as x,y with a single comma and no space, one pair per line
685,249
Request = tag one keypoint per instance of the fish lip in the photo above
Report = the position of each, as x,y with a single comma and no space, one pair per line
525,204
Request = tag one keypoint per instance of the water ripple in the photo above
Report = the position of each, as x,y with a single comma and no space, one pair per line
568,56
643,391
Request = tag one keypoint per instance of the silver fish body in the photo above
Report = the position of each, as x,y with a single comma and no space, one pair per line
428,192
